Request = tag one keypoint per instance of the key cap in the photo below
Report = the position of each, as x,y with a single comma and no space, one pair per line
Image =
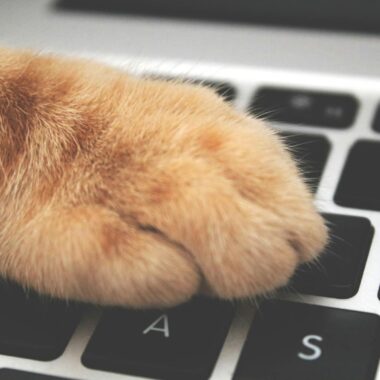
226,90
293,341
376,120
310,152
313,108
338,271
180,343
10,374
359,184
32,326
351,15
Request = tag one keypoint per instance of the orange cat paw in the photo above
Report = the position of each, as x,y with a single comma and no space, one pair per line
141,193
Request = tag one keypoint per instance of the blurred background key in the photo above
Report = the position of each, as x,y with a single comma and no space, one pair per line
32,326
376,120
359,184
10,374
338,271
311,153
296,106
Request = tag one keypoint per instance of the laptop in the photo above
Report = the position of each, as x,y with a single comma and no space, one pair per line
312,69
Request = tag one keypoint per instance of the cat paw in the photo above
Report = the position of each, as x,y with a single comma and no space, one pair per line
143,193
222,187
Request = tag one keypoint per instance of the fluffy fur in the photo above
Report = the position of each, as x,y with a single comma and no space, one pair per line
137,192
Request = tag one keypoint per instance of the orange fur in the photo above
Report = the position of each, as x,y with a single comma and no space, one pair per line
138,192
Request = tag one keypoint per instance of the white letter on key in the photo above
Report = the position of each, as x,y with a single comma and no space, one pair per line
164,329
317,352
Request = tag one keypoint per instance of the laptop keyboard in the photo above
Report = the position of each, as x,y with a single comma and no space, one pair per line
303,333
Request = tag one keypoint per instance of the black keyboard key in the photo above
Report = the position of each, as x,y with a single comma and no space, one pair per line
310,152
32,326
10,374
180,343
293,341
223,89
359,185
376,120
226,90
352,15
313,108
338,271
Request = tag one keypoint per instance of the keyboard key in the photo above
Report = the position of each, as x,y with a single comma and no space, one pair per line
10,374
180,343
32,326
376,120
293,341
359,185
351,15
338,271
310,152
226,90
313,108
